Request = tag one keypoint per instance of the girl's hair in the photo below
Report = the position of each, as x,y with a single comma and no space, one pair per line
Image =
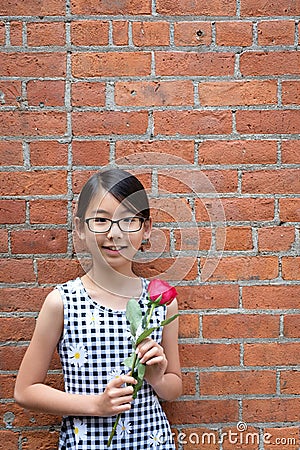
124,186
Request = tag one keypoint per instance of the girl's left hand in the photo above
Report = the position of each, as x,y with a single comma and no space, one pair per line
152,355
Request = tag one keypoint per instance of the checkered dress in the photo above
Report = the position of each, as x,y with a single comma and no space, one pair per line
94,343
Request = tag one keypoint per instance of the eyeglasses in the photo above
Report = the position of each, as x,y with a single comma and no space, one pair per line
103,225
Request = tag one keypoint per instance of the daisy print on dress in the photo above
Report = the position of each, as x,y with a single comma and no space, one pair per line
156,439
124,427
93,318
115,373
77,355
80,430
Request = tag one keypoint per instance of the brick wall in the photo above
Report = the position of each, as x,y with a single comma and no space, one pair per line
201,99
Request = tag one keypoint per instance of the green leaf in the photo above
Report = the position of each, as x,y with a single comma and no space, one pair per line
169,320
134,315
139,376
129,361
145,334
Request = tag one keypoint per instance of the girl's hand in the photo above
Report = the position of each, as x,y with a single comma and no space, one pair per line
152,355
116,397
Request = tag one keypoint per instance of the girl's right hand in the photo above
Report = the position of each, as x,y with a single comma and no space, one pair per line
116,397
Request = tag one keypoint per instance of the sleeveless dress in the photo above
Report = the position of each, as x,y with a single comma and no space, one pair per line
94,343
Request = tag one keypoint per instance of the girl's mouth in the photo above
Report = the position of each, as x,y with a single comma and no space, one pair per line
113,249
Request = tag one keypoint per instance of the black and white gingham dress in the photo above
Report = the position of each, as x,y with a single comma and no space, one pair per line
94,343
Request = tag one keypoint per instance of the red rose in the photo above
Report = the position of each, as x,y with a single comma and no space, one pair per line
158,288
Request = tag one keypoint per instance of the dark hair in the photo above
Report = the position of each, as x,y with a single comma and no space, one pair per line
124,186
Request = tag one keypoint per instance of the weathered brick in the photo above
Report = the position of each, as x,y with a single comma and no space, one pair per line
291,268
276,32
171,93
39,241
35,64
193,239
192,33
90,153
208,297
272,181
194,63
290,382
207,355
196,8
291,92
11,153
146,34
22,299
16,328
271,297
53,153
234,33
89,32
189,326
292,326
46,34
270,63
282,354
10,93
240,326
88,94
238,93
272,8
271,410
32,123
234,238
12,211
120,32
43,182
203,411
289,209
17,271
276,238
30,8
268,122
46,93
93,7
114,64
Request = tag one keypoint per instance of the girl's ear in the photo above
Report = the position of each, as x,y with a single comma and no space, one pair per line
79,227
147,228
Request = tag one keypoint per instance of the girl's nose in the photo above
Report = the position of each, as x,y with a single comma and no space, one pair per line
115,231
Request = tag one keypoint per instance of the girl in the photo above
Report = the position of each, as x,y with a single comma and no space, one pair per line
85,319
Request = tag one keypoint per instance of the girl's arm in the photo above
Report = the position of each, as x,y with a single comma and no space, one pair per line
162,361
32,393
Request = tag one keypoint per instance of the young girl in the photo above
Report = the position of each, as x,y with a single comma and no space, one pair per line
85,319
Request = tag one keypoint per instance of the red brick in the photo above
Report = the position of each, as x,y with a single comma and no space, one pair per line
43,182
22,299
32,123
3,241
206,181
208,297
29,419
170,210
284,181
207,355
290,152
291,93
10,93
234,238
288,437
46,93
196,8
30,8
146,34
292,326
163,152
16,328
159,241
289,209
109,122
271,297
276,32
7,385
192,122
246,440
271,8
88,94
173,269
40,440
268,122
58,270
2,33
189,383
240,382
48,211
202,411
35,64
240,326
113,64
276,239
152,93
194,64
126,7
192,33
283,354
11,153
52,153
291,268
120,32
12,211
290,382
234,33
240,268
17,271
11,439
16,29
271,410
234,209
46,34
89,32
193,239
270,63
209,438
90,153
39,241
189,326
246,93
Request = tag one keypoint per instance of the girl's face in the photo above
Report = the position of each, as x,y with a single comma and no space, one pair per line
115,247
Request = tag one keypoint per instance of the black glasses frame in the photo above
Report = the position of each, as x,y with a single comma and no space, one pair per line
141,219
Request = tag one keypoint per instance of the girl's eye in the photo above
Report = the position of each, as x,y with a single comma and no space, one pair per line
100,220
